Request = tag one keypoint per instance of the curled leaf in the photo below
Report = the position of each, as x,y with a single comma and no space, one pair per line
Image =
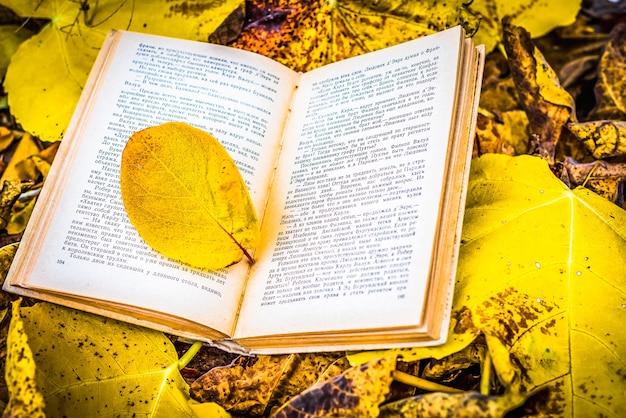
356,392
468,404
548,105
610,88
246,386
186,197
605,138
605,179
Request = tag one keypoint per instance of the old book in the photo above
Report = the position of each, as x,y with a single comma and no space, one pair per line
357,170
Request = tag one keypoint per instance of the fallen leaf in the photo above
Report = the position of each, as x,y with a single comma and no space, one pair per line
357,392
605,138
25,399
443,370
11,36
548,106
461,405
610,89
246,386
7,136
9,193
209,410
537,17
541,268
254,386
231,27
20,214
186,197
88,365
606,179
74,36
16,169
304,35
506,133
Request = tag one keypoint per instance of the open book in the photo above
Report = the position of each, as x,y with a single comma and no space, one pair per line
357,170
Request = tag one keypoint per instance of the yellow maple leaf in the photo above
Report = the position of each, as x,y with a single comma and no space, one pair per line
186,197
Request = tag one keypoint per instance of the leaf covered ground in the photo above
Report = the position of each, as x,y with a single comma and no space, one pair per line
540,297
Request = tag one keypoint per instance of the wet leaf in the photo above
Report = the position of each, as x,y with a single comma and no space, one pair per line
605,138
308,34
606,179
469,404
548,106
537,17
186,197
357,392
25,399
74,36
88,365
610,88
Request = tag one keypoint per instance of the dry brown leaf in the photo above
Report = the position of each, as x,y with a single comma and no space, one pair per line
246,386
357,392
610,88
548,106
305,35
606,179
604,138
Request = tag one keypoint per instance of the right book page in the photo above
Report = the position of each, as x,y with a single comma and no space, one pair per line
354,210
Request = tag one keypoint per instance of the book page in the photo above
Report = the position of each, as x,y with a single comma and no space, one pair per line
90,248
358,194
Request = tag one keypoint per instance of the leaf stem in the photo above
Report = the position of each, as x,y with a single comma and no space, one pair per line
424,384
189,355
485,374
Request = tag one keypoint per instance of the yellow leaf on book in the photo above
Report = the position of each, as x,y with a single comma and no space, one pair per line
186,197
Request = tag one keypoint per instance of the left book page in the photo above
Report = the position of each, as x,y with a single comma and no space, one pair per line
79,242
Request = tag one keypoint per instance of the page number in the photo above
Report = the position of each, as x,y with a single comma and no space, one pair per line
59,261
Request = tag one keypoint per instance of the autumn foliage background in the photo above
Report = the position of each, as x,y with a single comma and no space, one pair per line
540,297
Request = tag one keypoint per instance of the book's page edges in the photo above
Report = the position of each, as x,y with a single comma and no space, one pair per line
446,250
457,44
